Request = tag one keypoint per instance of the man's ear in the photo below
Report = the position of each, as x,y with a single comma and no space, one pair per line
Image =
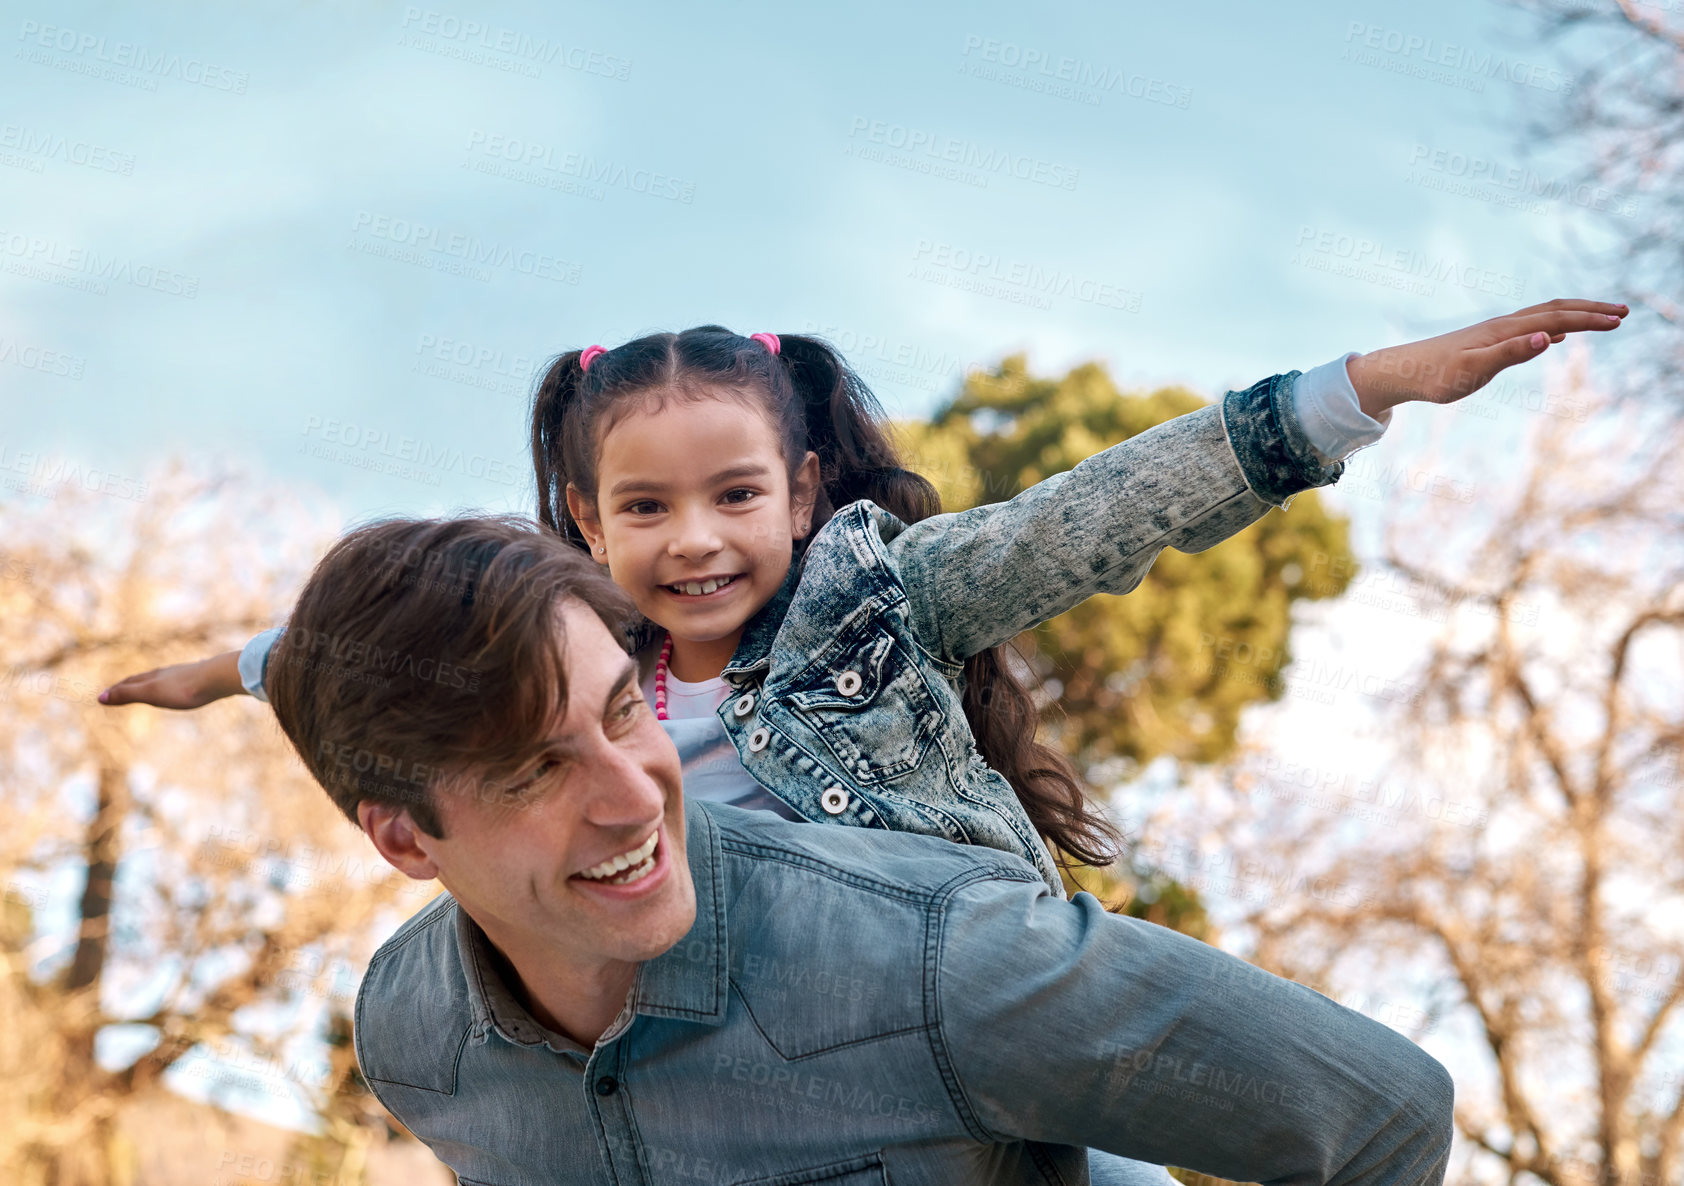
803,493
584,514
399,841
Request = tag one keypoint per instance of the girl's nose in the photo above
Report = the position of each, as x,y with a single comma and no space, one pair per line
695,536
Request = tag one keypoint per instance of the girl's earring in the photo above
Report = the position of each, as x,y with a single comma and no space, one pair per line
602,549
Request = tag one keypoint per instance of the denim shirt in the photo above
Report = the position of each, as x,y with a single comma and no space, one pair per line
851,676
850,679
851,1009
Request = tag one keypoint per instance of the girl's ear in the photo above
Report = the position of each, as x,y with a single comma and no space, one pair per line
584,514
803,493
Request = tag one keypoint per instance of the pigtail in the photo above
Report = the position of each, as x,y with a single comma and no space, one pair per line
857,460
555,402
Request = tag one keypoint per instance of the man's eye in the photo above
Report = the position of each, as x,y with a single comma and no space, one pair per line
540,773
629,708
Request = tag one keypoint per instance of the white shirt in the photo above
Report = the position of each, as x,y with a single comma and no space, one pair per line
712,768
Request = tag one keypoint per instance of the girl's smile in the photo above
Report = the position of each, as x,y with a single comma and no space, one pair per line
696,588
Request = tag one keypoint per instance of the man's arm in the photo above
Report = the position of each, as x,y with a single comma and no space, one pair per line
1059,1022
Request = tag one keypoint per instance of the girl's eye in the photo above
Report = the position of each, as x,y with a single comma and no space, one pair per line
741,494
644,506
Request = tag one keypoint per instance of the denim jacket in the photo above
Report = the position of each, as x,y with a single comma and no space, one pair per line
849,680
851,1009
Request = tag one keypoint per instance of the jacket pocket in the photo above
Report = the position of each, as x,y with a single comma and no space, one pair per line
868,701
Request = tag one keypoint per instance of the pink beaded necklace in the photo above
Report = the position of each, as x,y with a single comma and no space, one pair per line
661,679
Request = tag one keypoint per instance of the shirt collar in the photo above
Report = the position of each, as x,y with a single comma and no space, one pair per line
494,1007
688,981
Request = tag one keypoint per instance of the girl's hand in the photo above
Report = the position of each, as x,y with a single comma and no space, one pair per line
1442,370
184,685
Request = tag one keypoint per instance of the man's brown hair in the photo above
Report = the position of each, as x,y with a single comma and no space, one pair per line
426,650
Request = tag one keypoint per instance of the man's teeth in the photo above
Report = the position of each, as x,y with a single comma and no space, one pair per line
697,588
636,863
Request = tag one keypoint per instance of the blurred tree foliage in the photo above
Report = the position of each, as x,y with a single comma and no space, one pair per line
1166,670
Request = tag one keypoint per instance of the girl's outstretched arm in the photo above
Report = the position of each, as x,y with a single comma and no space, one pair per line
182,685
979,577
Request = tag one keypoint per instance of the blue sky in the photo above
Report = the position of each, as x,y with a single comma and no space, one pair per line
249,238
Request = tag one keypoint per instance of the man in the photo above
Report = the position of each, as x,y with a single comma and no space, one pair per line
621,989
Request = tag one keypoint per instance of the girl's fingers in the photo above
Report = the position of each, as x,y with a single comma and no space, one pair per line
1560,305
128,689
1557,322
1509,353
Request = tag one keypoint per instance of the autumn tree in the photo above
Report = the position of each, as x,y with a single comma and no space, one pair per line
221,906
1620,127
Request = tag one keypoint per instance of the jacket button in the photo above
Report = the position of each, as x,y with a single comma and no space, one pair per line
758,739
744,704
607,1085
848,683
835,801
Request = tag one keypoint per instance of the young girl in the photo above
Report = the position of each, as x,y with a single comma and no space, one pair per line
821,641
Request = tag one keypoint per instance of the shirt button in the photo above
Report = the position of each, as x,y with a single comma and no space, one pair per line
744,704
848,683
607,1085
835,801
758,739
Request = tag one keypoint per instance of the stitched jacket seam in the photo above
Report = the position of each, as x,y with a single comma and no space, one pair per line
935,935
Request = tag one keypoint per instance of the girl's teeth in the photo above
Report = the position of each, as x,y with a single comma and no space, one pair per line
698,588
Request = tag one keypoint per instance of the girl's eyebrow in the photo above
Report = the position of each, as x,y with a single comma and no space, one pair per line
746,469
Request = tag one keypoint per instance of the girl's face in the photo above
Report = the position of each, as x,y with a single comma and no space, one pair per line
697,513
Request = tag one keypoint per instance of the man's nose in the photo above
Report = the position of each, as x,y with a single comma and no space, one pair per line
622,792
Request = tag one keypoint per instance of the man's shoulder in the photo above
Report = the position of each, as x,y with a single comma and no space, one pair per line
432,927
872,862
415,990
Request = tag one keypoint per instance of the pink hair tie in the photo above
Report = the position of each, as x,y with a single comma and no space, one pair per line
770,341
590,353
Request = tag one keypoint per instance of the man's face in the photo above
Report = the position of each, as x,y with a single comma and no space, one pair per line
587,866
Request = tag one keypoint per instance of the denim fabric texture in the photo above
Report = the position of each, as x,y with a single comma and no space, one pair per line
853,1008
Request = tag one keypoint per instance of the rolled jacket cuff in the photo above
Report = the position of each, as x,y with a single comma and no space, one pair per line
1269,442
254,662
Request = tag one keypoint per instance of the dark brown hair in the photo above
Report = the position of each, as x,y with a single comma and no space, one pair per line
816,403
424,651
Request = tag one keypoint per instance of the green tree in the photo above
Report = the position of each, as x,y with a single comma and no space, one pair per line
1166,670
